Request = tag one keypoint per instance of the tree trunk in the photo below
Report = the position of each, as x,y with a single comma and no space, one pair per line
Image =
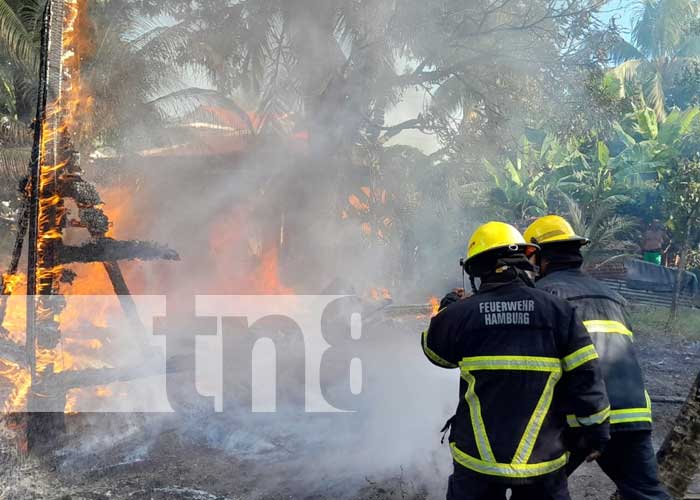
678,288
679,456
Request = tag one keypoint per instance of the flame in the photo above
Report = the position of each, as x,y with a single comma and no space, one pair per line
51,209
260,269
71,402
21,381
434,306
357,204
14,320
66,110
268,274
367,205
379,293
103,392
12,281
127,221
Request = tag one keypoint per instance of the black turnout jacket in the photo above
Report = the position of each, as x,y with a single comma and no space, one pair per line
526,362
602,312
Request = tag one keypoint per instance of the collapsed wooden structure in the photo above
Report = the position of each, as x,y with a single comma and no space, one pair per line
56,196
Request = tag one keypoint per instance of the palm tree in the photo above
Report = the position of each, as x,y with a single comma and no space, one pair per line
665,42
609,232
130,75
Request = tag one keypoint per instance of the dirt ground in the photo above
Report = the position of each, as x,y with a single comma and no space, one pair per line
670,365
152,458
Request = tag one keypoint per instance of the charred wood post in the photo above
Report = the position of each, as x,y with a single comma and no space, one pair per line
45,212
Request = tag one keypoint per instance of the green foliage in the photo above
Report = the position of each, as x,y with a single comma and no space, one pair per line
574,179
665,43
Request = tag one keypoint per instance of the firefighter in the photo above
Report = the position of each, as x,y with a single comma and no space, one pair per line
629,458
526,362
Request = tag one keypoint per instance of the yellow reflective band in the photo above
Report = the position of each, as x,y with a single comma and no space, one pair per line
525,363
493,468
630,415
532,363
434,357
579,357
595,419
480,436
532,431
572,421
606,326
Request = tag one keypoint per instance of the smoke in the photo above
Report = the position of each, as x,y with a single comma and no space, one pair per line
220,219
270,213
274,217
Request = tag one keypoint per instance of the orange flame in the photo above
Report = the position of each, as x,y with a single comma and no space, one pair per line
21,380
51,214
269,276
379,293
10,282
434,306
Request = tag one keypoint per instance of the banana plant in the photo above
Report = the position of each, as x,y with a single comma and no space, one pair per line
525,186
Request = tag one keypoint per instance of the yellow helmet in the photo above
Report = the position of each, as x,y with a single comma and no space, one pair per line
552,229
497,236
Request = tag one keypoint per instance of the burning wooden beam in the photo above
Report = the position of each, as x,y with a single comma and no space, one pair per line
109,250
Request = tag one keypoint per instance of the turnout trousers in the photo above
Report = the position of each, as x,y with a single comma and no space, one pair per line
629,460
464,484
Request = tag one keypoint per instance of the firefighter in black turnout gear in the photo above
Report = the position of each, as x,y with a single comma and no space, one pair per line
526,362
629,458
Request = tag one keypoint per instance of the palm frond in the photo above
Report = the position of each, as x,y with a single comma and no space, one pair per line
644,30
257,45
575,214
672,22
31,13
613,233
626,72
14,165
14,132
16,41
163,42
346,24
654,91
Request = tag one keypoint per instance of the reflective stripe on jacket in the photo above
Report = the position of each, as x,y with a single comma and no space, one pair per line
602,312
526,362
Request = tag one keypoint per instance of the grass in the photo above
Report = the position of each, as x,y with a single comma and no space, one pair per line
649,319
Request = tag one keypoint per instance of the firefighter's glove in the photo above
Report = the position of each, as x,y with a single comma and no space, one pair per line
454,296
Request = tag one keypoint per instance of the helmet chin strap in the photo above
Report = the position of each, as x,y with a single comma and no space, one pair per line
473,284
464,275
519,265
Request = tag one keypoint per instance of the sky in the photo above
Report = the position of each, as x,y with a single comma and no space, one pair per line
623,12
